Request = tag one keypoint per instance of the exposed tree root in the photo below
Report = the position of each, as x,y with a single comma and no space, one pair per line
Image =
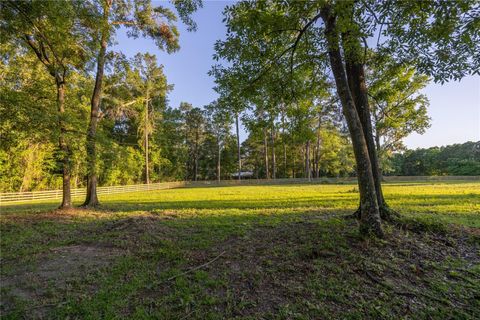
386,214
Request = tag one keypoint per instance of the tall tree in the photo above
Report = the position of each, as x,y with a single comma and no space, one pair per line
219,124
194,131
265,36
140,18
151,85
233,101
60,45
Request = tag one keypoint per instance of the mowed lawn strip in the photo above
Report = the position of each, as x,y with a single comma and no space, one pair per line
277,252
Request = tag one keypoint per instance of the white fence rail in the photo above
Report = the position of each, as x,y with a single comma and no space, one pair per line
12,197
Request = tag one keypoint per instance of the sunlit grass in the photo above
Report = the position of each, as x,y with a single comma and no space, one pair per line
286,253
453,202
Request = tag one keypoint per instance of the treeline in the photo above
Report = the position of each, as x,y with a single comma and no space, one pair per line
308,56
455,160
69,100
299,75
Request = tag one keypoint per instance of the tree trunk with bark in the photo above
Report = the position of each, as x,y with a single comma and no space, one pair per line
274,162
195,157
218,160
370,216
237,126
265,154
307,161
57,70
63,146
293,166
284,145
317,147
147,173
304,168
356,79
91,199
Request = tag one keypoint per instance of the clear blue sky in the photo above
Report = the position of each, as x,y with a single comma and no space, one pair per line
454,107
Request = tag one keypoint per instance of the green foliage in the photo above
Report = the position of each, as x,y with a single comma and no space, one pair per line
398,108
271,75
458,159
440,37
336,154
121,166
28,126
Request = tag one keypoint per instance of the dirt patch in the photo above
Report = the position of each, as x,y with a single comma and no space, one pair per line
51,274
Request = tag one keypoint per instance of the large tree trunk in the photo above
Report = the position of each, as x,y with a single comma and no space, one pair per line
370,215
147,173
64,149
265,154
54,68
358,87
237,126
91,199
274,162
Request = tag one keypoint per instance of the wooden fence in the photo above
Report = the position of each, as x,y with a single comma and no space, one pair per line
12,197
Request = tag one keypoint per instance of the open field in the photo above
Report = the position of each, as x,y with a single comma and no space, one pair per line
250,252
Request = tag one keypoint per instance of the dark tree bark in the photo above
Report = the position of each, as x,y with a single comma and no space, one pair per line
57,70
370,216
358,87
237,126
64,149
91,199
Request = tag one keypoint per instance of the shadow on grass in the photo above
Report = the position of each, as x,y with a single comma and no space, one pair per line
304,262
344,200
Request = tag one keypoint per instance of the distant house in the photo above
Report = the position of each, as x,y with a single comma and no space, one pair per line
243,175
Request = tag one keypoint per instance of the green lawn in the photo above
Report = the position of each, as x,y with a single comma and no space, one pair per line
245,252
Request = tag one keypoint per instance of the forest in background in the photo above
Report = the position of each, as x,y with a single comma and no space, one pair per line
304,78
140,138
200,143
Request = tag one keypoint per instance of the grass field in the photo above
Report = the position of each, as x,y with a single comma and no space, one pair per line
245,252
